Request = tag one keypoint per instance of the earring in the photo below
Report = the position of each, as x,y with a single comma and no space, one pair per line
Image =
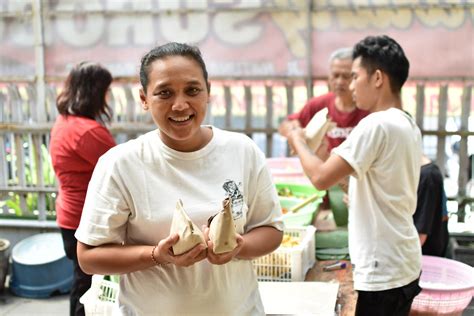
145,107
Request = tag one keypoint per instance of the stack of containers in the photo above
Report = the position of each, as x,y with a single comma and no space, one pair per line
287,170
296,255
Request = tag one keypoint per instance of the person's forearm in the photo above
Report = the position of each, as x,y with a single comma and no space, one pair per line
114,259
287,125
260,241
309,161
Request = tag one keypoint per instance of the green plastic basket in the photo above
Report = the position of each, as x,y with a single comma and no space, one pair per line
302,217
300,191
296,193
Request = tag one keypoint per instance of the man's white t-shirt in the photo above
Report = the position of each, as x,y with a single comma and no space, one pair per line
131,199
384,150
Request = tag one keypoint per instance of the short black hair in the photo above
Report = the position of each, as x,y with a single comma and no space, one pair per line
84,92
166,50
385,54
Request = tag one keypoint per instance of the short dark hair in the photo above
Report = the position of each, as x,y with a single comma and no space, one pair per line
384,53
84,92
166,50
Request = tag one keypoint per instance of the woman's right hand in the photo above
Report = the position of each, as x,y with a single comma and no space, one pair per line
164,253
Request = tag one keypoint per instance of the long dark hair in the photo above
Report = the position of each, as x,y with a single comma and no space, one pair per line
84,92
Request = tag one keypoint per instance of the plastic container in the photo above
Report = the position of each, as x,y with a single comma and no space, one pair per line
4,264
297,190
448,287
302,217
40,267
285,166
101,298
291,194
337,205
338,238
287,169
289,263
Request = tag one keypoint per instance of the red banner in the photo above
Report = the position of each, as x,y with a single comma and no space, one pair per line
253,38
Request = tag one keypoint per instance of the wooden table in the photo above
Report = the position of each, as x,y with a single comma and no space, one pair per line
347,296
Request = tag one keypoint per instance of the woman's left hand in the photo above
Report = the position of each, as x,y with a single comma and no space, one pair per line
225,257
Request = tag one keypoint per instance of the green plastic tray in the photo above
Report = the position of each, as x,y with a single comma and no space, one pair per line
302,217
332,253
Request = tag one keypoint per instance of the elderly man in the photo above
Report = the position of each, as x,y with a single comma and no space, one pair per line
341,107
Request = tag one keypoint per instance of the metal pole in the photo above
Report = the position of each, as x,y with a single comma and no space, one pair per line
39,61
309,49
39,110
463,153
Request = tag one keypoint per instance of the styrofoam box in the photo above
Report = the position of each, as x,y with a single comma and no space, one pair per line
288,264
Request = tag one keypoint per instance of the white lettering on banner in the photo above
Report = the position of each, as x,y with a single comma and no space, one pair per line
230,27
126,30
235,28
240,68
83,31
374,18
339,132
292,26
441,17
222,2
122,69
187,28
293,68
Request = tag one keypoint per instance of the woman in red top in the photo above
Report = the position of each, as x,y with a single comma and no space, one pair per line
78,139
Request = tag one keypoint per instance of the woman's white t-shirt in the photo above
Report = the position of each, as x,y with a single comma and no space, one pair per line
131,199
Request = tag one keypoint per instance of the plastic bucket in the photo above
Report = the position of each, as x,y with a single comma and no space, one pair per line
4,246
40,267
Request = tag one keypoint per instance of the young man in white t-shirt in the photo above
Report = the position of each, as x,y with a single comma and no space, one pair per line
382,156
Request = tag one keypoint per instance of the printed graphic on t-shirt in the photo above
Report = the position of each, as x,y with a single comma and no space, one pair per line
233,191
339,132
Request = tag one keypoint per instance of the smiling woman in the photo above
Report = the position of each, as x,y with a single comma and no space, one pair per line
177,94
125,228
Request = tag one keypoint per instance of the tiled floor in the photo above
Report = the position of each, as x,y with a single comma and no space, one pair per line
11,305
59,305
469,311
